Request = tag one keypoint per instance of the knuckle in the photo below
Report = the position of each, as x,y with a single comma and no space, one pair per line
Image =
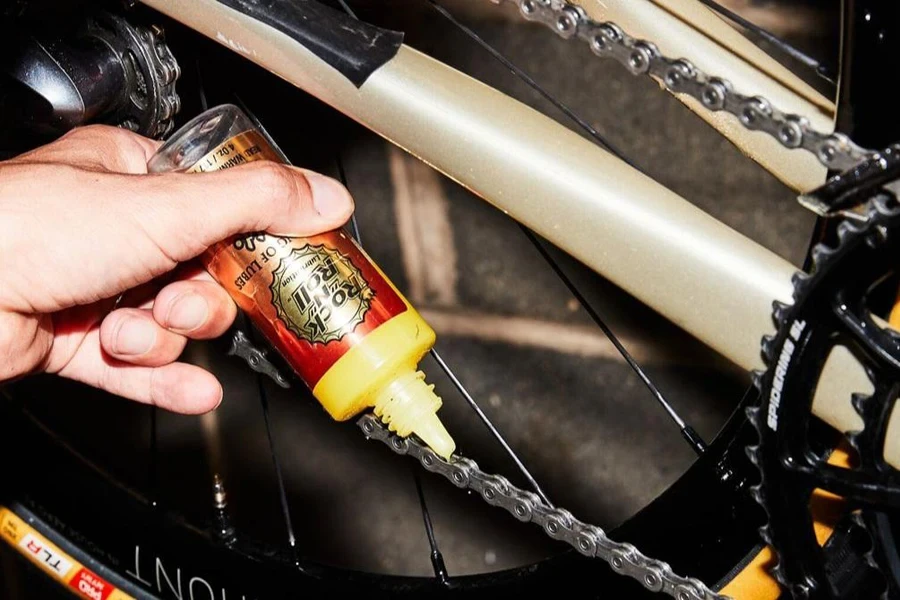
276,183
157,388
78,134
99,129
108,378
106,145
108,152
22,347
89,133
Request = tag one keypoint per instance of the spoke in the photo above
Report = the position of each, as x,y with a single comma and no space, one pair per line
688,432
282,491
153,467
437,559
490,426
347,8
224,529
465,393
354,226
264,399
823,71
204,104
525,77
258,124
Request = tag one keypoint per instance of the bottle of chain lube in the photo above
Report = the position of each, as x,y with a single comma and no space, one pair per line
334,316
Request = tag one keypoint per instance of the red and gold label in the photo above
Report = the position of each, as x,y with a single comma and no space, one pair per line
315,297
319,294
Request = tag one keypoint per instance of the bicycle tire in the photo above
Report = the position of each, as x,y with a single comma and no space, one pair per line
73,524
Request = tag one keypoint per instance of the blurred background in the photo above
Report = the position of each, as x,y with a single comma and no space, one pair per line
543,372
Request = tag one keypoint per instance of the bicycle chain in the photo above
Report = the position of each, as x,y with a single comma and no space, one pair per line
558,523
641,57
606,39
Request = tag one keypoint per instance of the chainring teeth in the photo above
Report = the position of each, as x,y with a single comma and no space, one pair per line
779,312
853,439
822,252
859,402
756,377
874,230
845,229
752,413
768,348
799,279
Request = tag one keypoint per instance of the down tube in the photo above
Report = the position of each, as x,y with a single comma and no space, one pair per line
704,276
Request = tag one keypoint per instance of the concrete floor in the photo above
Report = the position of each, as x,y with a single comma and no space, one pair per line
545,375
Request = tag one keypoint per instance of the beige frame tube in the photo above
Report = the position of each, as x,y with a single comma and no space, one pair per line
712,281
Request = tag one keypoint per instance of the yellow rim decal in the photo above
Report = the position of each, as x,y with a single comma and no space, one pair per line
53,561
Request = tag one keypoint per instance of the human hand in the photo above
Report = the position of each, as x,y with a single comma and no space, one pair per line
81,222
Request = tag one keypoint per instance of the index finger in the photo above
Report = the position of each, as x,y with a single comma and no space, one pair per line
97,148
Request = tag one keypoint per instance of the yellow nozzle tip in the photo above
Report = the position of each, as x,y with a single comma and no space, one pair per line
431,431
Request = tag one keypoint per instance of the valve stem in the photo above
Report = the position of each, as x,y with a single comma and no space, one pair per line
224,528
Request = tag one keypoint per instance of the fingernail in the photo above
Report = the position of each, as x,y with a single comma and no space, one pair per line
187,313
221,397
330,198
135,337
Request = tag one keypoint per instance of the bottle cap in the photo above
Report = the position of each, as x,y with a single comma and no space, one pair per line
431,431
409,405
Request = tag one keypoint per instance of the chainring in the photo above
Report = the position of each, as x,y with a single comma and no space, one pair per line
833,308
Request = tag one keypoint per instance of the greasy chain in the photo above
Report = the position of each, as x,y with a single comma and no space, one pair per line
558,523
640,57
834,150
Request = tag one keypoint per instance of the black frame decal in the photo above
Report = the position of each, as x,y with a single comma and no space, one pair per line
356,49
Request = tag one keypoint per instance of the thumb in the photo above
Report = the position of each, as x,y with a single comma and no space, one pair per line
188,212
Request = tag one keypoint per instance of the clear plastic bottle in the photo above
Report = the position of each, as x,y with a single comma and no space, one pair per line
321,301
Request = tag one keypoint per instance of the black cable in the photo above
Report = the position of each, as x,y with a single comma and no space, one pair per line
823,71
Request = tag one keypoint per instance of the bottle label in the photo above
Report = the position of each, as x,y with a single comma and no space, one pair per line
314,297
320,294
243,148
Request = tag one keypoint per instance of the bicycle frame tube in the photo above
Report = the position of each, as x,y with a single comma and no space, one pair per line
715,283
688,29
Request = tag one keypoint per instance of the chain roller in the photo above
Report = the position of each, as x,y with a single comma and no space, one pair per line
558,523
605,39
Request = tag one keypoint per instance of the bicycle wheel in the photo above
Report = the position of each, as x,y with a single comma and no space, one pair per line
169,555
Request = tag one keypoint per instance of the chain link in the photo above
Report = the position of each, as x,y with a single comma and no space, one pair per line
558,523
834,150
605,39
